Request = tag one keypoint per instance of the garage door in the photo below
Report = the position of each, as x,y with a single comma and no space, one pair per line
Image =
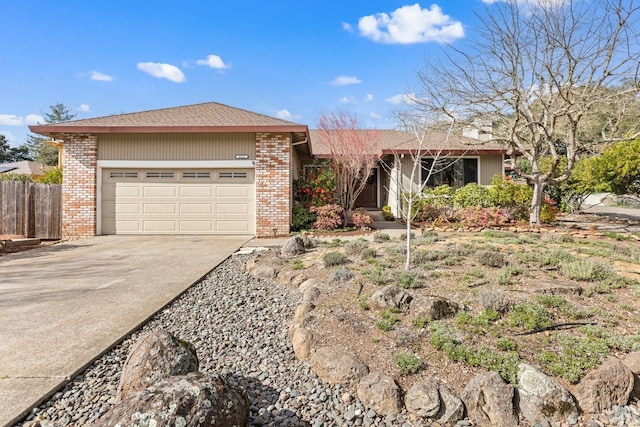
178,201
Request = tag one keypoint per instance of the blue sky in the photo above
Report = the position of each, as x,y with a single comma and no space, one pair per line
292,59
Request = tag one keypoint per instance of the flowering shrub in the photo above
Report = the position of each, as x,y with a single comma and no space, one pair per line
316,187
329,217
361,218
476,216
386,213
428,213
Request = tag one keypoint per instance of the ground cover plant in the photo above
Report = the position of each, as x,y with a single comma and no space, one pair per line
544,299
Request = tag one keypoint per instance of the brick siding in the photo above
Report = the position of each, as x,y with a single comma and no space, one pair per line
79,163
273,184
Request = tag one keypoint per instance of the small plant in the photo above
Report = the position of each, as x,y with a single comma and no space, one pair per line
361,218
341,274
332,259
530,316
377,275
386,213
420,322
381,237
368,253
412,236
506,344
363,305
495,300
408,280
329,217
586,270
491,259
408,363
355,247
505,274
575,356
297,264
389,318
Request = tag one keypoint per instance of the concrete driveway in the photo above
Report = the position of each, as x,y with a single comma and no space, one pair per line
62,306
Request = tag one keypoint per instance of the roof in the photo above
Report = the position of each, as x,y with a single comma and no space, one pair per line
25,167
397,142
206,117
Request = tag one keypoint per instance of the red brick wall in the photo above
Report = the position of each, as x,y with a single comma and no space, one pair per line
273,184
79,164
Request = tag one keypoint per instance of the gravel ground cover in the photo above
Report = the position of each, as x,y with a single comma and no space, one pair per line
239,326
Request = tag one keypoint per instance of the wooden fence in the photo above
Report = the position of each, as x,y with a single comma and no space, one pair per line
31,210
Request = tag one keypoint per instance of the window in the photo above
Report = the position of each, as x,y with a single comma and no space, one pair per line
159,174
452,172
232,175
196,174
123,174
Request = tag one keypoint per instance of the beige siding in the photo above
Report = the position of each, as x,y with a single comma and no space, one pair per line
490,165
176,146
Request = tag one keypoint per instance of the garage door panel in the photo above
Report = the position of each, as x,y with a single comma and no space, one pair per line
178,203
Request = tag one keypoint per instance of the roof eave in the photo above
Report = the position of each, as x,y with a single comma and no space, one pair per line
446,152
50,130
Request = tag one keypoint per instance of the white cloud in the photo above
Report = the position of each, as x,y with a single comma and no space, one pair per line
347,27
162,71
286,115
33,119
101,77
402,98
375,116
348,100
411,24
368,98
84,108
10,120
213,61
345,80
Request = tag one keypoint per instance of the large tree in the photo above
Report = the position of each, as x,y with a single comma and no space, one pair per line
538,70
41,152
354,153
10,154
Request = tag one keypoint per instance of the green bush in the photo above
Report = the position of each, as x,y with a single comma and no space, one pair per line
587,270
51,176
491,258
513,198
341,274
355,247
530,316
331,259
381,237
368,253
408,279
471,195
302,218
408,363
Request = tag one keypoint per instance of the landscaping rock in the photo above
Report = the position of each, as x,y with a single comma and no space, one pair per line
293,278
380,393
428,398
434,308
543,399
611,384
302,341
263,272
293,247
309,283
390,296
337,366
192,399
632,360
489,400
155,356
555,287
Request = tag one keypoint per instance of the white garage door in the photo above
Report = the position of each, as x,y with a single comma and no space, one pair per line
178,201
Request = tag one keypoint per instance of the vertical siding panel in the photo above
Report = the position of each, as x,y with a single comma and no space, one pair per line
209,146
491,165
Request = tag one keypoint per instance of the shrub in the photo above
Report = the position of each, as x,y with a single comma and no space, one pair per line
331,259
495,300
341,274
412,236
386,213
548,211
514,198
361,218
355,247
389,318
429,213
368,253
329,217
51,176
302,218
505,274
530,316
316,187
377,275
506,344
586,270
381,237
408,280
491,258
477,216
408,363
471,195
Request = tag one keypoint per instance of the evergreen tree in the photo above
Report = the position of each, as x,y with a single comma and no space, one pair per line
37,149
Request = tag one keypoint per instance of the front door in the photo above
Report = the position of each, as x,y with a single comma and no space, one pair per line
369,196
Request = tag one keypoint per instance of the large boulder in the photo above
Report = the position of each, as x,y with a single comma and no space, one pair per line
428,398
390,296
155,356
194,399
610,384
632,360
293,247
543,399
302,341
337,366
380,393
263,272
489,401
434,308
294,278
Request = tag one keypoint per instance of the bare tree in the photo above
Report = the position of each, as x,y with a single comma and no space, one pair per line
537,69
354,154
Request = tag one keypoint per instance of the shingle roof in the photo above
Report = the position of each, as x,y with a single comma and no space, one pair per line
210,116
392,141
25,167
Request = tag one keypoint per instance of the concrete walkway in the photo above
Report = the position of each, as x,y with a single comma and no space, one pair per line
62,306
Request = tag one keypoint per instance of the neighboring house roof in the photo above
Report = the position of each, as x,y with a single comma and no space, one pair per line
206,117
25,167
397,142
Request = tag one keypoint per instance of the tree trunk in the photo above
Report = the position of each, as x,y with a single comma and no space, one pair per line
536,202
